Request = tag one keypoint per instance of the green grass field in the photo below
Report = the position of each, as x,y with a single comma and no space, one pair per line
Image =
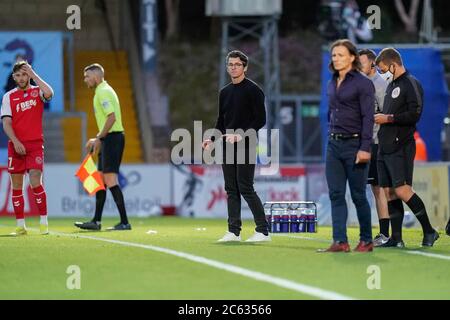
140,266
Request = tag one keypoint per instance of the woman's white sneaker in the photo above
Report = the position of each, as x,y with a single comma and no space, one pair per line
229,237
258,237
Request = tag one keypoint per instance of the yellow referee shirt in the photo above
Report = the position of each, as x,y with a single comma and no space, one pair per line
105,103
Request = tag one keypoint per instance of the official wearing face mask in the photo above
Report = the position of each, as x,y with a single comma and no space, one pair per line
403,105
387,76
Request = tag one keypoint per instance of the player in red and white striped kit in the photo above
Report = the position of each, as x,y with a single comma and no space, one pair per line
21,114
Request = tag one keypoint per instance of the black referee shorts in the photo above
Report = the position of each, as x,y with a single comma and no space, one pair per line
111,151
373,172
396,169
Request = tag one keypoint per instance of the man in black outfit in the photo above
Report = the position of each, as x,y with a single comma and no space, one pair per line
241,106
403,105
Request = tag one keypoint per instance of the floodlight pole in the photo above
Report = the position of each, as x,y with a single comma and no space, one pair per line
264,62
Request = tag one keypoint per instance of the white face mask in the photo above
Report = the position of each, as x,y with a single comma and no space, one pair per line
387,76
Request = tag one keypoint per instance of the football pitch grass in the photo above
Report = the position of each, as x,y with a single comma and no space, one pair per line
179,258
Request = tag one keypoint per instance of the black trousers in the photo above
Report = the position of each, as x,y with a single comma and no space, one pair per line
239,181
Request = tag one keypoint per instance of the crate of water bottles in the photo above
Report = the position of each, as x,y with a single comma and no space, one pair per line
291,216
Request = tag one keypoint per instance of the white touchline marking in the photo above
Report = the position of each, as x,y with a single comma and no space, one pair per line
279,282
252,274
431,255
420,253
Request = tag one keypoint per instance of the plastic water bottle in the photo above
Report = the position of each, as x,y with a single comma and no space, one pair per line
294,221
302,220
285,221
311,225
276,225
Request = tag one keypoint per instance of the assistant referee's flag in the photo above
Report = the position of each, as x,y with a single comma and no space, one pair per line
90,176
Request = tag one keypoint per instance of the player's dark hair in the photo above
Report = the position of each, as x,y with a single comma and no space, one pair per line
238,54
369,53
356,65
389,56
19,65
94,67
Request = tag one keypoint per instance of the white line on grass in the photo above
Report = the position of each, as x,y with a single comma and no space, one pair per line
431,255
419,253
280,282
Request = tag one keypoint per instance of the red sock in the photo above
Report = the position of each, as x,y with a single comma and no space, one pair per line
18,203
41,200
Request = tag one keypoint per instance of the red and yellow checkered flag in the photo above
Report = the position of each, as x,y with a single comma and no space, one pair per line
90,176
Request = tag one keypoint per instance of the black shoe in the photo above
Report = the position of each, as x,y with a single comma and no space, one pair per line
120,226
91,225
392,243
429,239
447,228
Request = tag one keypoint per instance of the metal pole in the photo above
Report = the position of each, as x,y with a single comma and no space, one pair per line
70,55
83,133
267,89
299,135
276,70
223,52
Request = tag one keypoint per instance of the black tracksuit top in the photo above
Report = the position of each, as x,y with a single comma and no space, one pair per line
403,99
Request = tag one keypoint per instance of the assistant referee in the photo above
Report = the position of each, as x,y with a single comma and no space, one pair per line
109,142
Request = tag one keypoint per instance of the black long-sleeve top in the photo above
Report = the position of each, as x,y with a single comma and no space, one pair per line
241,106
404,99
